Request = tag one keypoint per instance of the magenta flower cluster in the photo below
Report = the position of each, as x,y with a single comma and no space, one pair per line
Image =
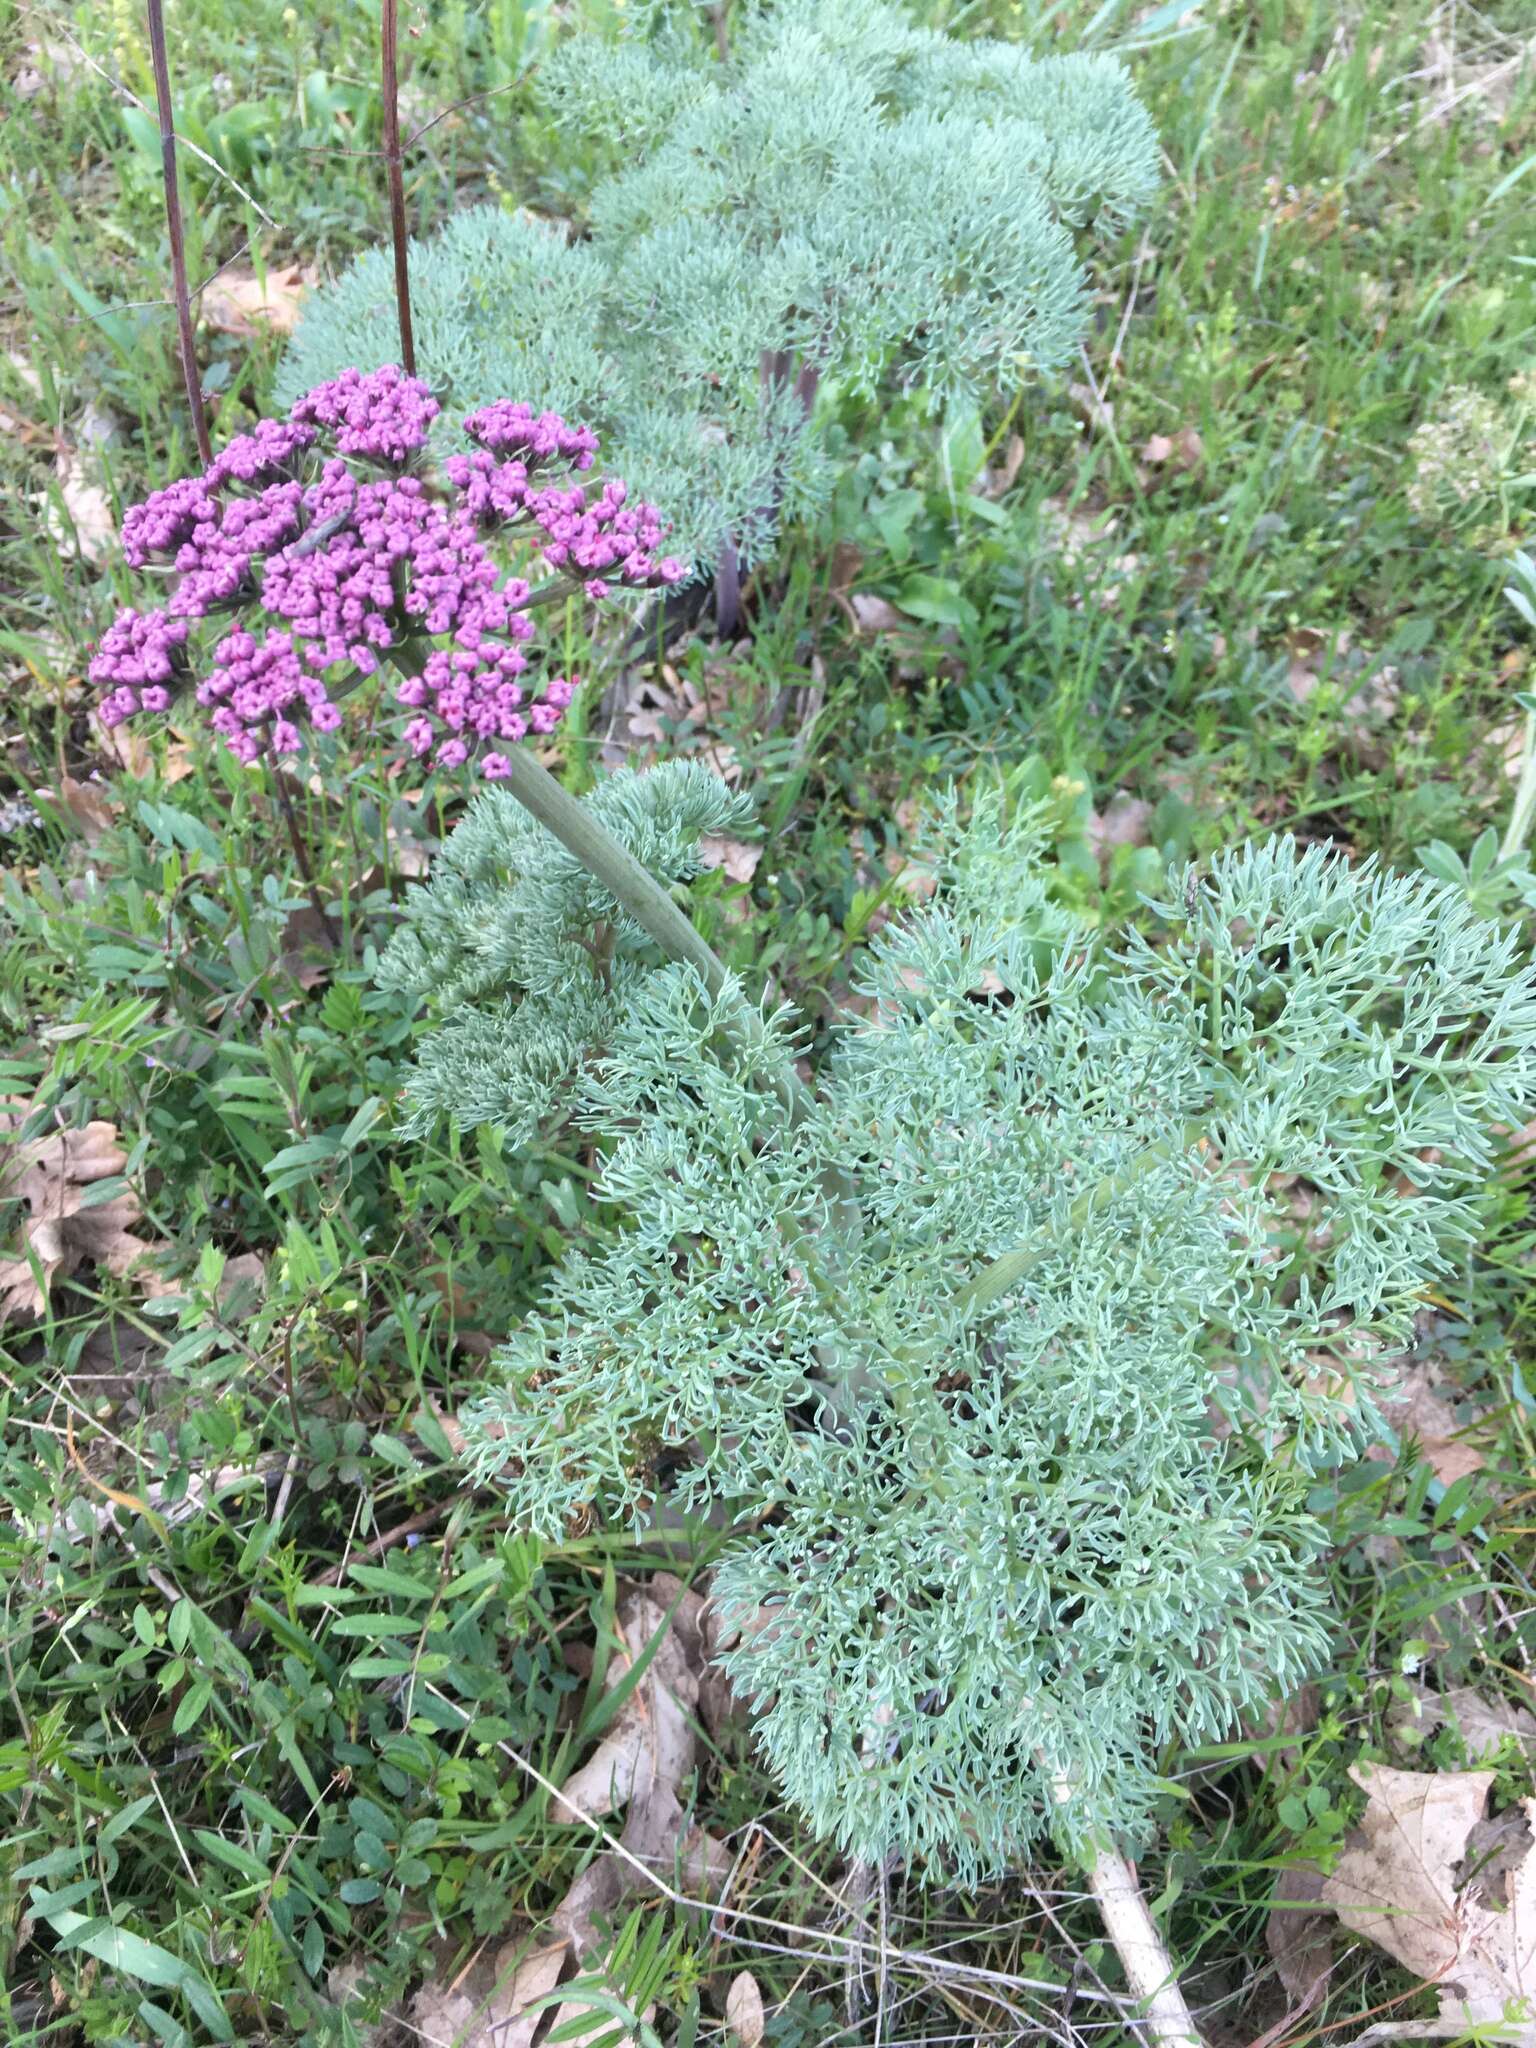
325,532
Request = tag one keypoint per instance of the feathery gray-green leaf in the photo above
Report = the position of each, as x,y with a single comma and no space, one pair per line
987,1538
881,200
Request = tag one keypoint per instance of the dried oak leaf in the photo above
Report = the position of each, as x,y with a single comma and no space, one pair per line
471,2012
1125,821
737,860
1483,1724
90,524
52,1176
241,303
1296,1714
1396,1884
1299,1936
996,483
1183,450
1416,1409
88,806
642,1764
744,2010
875,614
1096,411
132,746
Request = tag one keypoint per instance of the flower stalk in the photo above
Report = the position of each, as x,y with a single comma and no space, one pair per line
635,891
186,339
394,172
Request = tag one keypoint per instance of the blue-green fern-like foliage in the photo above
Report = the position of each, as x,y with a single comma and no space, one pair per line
991,1553
874,200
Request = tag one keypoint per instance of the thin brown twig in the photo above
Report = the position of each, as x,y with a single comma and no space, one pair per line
189,372
473,99
393,1537
148,305
290,1387
395,173
78,49
301,855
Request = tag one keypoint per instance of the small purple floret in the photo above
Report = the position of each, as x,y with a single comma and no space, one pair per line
270,449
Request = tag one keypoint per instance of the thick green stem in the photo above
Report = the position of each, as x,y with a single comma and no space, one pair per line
630,884
1130,1926
640,894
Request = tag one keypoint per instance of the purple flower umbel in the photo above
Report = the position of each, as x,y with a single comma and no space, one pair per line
324,548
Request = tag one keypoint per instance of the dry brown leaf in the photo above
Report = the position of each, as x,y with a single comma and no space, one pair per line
738,860
1098,412
46,63
131,746
720,760
471,2013
1368,697
643,1763
89,806
51,1175
1297,1714
651,1739
241,303
1396,1884
846,562
1124,822
409,858
1450,82
599,2028
872,614
1496,1848
1483,1723
996,483
1299,1940
1308,651
744,2010
91,524
308,952
649,709
1416,1410
1071,530
1183,450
